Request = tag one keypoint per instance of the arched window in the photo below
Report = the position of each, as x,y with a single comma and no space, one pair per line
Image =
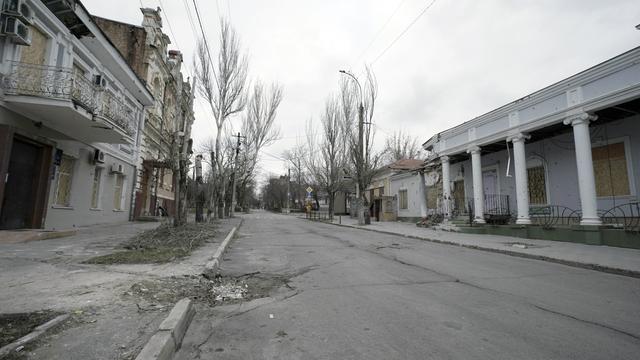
537,181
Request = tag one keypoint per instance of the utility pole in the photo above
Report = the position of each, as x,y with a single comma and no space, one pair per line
360,210
235,171
288,190
199,195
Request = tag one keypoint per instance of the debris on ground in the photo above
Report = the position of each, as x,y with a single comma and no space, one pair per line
15,326
163,244
156,295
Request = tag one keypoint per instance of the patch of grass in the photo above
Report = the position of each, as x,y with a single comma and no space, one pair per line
140,256
160,245
15,326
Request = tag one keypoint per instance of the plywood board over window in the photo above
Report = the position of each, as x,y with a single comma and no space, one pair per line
63,185
610,168
403,199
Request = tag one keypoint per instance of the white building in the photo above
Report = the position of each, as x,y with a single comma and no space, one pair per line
570,149
71,112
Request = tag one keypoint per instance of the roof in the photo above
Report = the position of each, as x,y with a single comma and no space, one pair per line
406,164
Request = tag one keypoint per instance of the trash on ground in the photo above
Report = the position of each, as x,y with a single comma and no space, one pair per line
230,290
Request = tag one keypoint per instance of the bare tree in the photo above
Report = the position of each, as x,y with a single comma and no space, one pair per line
222,84
258,126
295,158
401,145
327,154
364,164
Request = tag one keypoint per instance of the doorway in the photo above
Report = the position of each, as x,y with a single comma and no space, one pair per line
26,185
490,182
458,196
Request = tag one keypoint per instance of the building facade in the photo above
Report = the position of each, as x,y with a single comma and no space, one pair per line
570,150
71,112
168,121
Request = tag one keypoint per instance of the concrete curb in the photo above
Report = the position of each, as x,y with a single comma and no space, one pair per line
214,263
32,336
589,266
167,340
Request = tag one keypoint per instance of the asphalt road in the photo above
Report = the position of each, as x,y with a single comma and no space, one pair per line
356,294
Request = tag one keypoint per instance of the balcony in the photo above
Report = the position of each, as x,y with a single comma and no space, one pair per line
68,103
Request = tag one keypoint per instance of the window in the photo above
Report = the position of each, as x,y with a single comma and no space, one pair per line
402,198
610,168
63,186
537,185
118,192
95,192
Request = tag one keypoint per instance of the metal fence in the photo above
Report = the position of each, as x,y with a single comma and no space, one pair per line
626,216
549,216
319,215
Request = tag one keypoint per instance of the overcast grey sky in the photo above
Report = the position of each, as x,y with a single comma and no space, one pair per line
461,59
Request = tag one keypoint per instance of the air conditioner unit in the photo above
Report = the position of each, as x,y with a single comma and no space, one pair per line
100,81
18,31
18,8
117,169
98,157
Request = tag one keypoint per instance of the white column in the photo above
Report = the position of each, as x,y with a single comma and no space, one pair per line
522,184
478,190
422,195
446,185
584,162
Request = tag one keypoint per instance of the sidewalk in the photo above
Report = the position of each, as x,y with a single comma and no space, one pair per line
107,320
603,258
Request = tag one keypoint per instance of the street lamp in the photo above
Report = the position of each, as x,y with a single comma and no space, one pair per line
360,156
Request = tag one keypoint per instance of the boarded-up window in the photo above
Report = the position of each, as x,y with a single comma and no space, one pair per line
95,190
36,53
610,168
537,185
403,200
63,185
118,192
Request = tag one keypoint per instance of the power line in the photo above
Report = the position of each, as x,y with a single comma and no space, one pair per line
405,30
166,16
377,35
206,43
190,18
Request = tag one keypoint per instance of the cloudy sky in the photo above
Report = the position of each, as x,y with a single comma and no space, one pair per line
459,60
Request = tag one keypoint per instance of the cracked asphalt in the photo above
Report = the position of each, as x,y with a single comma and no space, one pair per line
353,294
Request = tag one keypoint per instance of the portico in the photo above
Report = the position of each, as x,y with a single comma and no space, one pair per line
565,152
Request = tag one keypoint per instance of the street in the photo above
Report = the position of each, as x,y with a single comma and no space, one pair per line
353,294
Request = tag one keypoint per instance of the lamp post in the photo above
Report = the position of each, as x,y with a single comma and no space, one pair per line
360,154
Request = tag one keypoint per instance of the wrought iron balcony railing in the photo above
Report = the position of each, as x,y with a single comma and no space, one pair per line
117,111
55,82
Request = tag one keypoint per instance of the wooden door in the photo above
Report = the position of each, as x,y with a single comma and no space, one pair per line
458,196
18,206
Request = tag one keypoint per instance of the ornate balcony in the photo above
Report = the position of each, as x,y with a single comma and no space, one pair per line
68,103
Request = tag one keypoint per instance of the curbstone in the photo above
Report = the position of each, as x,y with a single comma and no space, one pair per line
178,320
34,335
167,340
159,347
588,266
213,264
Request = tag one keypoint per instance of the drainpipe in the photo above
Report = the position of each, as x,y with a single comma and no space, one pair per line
136,155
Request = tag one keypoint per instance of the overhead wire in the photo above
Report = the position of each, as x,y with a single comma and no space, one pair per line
404,31
379,32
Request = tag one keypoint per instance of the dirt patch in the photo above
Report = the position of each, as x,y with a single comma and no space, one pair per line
15,326
158,294
163,244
